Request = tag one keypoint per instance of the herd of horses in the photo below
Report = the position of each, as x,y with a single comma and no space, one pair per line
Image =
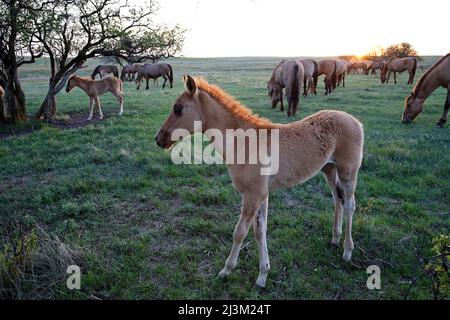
291,75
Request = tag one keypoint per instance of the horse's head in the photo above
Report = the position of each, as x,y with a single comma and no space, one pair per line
413,107
71,83
274,92
383,74
138,80
186,110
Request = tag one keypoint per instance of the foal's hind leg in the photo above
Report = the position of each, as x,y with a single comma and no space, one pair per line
91,109
260,230
250,206
119,98
97,102
338,196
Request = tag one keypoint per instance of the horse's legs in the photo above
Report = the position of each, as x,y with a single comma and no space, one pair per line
250,206
97,102
146,82
395,77
338,196
343,80
281,100
165,80
443,119
91,108
260,229
388,76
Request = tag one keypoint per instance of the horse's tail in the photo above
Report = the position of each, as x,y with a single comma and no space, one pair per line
170,75
122,76
116,72
95,72
294,96
315,74
414,69
334,76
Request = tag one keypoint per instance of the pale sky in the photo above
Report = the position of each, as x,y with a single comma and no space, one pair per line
218,28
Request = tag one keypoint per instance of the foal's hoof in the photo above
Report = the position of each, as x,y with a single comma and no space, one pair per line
347,256
224,273
261,282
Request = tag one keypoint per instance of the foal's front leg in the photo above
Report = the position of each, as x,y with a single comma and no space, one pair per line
250,206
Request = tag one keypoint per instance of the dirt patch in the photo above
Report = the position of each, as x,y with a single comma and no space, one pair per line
71,120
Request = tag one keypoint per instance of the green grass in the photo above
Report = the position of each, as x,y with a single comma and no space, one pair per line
144,228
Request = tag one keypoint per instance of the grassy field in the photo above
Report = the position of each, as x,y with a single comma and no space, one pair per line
107,198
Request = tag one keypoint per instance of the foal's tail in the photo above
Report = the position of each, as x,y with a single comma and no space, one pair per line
170,75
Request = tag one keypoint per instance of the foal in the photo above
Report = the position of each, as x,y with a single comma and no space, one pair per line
328,141
95,88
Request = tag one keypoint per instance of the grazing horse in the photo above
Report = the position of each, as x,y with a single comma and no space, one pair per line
311,74
104,70
329,141
437,76
129,72
395,65
374,66
288,74
356,66
341,69
154,71
95,88
328,68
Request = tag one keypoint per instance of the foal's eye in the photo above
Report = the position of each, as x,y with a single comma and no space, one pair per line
178,109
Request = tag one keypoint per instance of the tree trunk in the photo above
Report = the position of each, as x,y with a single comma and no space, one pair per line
47,111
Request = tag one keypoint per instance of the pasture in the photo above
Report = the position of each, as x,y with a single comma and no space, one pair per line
141,227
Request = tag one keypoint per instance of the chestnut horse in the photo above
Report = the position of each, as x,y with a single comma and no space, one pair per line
437,76
329,141
328,68
311,74
287,74
395,65
95,88
356,66
341,69
374,66
104,70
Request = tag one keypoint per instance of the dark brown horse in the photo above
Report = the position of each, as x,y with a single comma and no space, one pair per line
154,71
104,70
395,65
129,72
437,76
374,66
356,66
288,74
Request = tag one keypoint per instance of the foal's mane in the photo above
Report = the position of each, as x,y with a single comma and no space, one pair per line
427,73
231,104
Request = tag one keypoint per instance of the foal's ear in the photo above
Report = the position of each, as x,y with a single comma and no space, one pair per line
191,86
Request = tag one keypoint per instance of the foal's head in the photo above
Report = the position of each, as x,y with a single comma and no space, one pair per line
186,110
413,107
71,83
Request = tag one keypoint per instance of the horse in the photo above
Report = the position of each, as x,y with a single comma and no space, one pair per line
374,66
287,74
356,66
395,65
95,88
154,71
328,68
129,72
310,79
329,141
437,76
341,69
104,70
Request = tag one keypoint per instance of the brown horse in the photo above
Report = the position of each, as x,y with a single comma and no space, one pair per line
129,72
95,88
104,70
154,71
328,68
341,69
395,65
356,66
374,66
288,74
437,76
310,67
329,141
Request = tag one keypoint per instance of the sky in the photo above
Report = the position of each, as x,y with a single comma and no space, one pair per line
229,28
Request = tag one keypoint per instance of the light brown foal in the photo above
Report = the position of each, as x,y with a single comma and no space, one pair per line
95,88
329,141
